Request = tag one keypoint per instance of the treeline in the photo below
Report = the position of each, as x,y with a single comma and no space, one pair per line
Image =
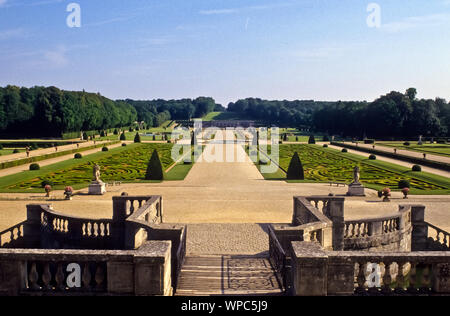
50,112
281,113
394,115
155,112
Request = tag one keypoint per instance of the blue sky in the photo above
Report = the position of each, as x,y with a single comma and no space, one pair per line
284,49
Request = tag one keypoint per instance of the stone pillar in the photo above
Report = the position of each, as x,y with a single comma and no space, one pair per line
118,224
32,227
419,238
120,277
309,269
12,277
152,274
441,278
336,215
341,279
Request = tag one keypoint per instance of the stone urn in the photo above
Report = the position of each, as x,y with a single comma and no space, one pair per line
405,192
68,193
47,189
386,193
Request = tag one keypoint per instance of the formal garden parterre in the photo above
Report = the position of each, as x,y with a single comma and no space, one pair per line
330,165
125,164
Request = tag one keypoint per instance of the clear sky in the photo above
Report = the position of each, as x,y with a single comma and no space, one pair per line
228,49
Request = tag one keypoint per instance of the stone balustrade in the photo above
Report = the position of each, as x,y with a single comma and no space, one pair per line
392,233
438,239
60,231
319,272
146,271
13,237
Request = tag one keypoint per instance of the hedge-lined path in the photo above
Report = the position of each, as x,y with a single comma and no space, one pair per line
405,152
395,161
45,151
46,162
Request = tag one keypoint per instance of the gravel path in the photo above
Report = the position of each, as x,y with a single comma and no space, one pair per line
227,239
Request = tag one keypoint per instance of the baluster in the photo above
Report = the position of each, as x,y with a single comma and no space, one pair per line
131,207
353,230
346,229
99,277
424,281
387,278
438,237
140,203
47,277
33,277
95,229
59,278
401,279
86,278
361,278
412,288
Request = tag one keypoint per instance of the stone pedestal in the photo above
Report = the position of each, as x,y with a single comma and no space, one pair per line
356,189
97,188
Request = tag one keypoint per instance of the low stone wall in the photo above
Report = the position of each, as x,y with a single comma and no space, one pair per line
319,272
146,271
392,233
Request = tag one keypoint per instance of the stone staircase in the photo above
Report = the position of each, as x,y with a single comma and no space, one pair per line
227,275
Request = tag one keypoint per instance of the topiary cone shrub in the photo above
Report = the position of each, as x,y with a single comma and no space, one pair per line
154,168
295,170
137,138
311,140
122,136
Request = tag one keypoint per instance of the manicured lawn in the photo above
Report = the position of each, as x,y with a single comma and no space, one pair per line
4,152
223,116
437,149
126,164
330,165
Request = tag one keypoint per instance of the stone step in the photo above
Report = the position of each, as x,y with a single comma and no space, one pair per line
227,275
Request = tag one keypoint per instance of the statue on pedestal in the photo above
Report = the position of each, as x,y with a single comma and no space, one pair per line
96,173
97,187
356,188
356,175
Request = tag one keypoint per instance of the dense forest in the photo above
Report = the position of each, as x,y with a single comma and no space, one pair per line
392,115
155,112
49,111
297,114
